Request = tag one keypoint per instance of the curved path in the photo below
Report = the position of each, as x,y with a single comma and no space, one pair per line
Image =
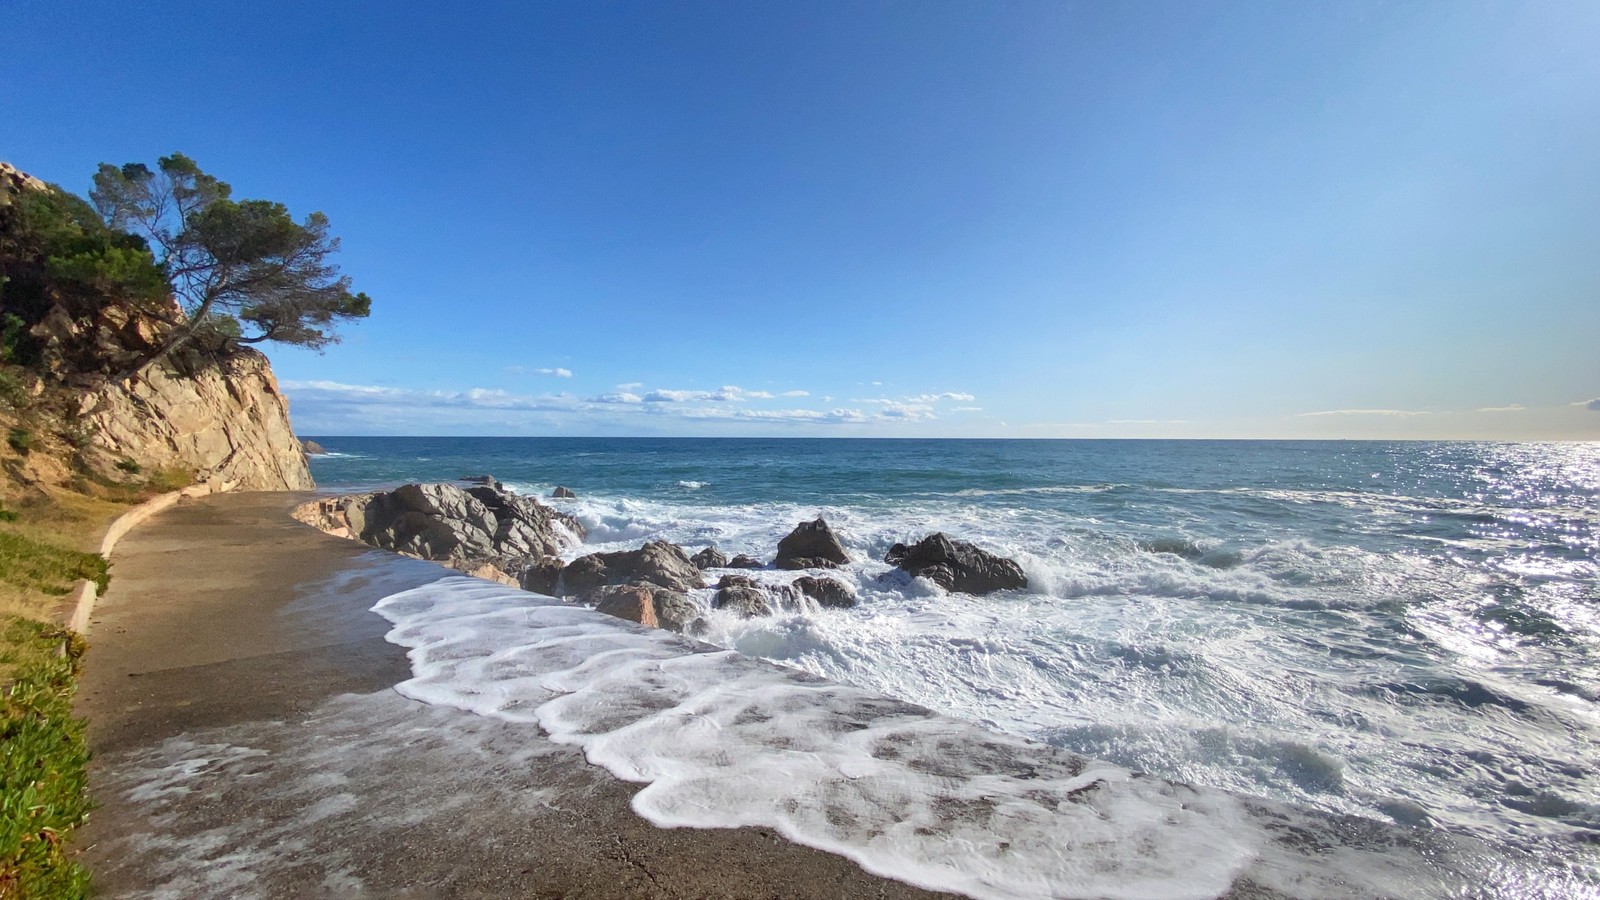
248,743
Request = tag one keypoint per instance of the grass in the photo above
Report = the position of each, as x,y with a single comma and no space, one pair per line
43,760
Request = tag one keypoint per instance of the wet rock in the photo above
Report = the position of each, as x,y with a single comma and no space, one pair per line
828,592
957,565
709,558
647,604
312,448
811,545
658,563
542,577
561,493
478,479
743,561
743,596
443,522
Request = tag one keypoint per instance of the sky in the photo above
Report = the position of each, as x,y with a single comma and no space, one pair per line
928,219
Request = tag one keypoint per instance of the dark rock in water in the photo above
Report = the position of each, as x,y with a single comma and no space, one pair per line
957,565
562,493
312,448
479,479
647,604
658,563
709,558
741,595
524,522
542,577
745,562
811,545
828,592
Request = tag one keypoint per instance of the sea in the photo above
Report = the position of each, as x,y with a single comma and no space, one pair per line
1407,632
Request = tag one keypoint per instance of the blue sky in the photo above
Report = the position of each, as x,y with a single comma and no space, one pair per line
931,219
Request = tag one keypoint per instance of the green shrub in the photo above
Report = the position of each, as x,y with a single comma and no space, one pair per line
43,761
34,565
129,466
21,440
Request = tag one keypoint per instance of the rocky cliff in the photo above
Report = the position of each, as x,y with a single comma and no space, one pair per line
225,422
75,326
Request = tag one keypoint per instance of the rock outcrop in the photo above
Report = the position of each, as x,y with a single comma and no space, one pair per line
829,593
561,493
709,558
312,448
647,604
465,528
744,561
227,421
658,563
957,565
811,545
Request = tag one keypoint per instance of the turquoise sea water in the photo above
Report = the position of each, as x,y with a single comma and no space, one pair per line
1406,631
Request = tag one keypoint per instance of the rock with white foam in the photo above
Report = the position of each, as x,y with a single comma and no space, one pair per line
710,558
829,593
957,565
657,562
811,545
647,604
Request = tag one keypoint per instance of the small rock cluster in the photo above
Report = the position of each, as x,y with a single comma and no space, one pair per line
486,530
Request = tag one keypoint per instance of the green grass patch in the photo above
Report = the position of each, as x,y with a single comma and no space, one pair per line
30,565
43,760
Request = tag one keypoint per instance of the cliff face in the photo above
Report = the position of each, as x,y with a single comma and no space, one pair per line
226,422
74,325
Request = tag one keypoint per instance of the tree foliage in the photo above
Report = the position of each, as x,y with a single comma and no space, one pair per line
244,271
54,249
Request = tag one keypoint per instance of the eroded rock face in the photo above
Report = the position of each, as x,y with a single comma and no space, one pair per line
312,448
957,565
744,561
226,422
562,493
828,592
658,563
811,545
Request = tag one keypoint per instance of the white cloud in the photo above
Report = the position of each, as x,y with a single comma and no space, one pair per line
558,372
1515,407
966,409
622,397
630,386
1362,412
1591,405
795,394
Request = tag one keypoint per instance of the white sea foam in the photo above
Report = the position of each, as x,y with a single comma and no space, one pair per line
720,740
1270,669
693,485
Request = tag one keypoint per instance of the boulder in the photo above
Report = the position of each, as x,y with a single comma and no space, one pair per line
312,448
658,563
481,524
647,604
743,561
542,577
828,592
561,493
811,545
478,479
709,558
741,595
957,565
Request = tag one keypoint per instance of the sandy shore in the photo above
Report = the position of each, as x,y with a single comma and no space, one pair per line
248,744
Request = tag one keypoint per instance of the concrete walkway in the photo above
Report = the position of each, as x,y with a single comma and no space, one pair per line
248,743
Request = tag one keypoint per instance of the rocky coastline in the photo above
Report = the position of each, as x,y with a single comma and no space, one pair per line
482,529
